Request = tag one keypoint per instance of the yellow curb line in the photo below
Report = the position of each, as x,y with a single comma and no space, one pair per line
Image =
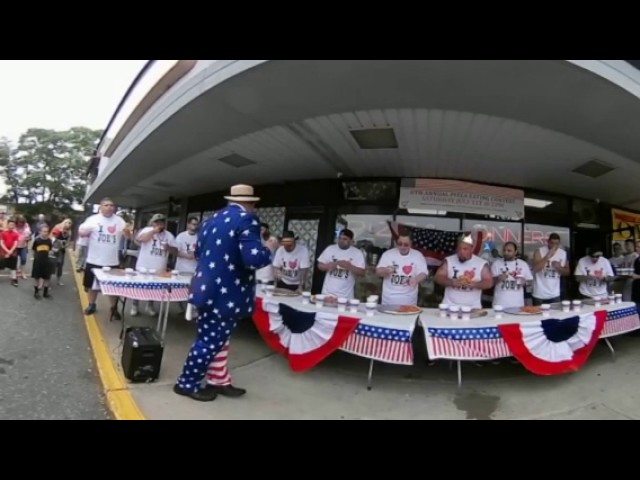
119,399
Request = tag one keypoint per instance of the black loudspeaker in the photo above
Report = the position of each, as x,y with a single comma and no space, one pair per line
141,354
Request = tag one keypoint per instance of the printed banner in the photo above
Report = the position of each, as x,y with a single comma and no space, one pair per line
462,197
624,219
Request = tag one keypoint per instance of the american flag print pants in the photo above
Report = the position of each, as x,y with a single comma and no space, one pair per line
208,351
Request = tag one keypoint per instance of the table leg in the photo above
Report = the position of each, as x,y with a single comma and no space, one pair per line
370,376
459,374
613,352
160,314
166,320
124,305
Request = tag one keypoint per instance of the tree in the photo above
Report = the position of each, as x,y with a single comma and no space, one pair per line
48,168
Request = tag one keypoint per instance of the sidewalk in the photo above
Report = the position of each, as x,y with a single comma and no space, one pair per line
336,389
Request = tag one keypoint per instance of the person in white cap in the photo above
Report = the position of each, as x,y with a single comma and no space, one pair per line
156,242
464,276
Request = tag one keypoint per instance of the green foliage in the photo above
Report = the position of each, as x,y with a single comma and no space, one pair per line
46,172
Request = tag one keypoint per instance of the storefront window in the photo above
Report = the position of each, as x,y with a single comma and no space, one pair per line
433,223
536,236
495,236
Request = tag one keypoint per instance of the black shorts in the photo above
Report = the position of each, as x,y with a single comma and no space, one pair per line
42,268
89,277
10,262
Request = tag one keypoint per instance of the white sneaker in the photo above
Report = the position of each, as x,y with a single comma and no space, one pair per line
134,311
151,312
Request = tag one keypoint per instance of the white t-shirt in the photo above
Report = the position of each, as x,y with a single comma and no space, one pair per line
629,259
291,263
618,262
472,270
186,243
104,240
546,282
340,282
265,274
596,285
82,241
396,289
510,292
151,254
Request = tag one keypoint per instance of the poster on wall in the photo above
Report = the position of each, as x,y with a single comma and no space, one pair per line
461,197
623,219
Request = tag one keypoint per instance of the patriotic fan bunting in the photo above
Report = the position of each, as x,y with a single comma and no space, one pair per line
305,338
552,346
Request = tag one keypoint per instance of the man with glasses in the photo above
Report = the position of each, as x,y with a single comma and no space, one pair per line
403,269
105,230
594,273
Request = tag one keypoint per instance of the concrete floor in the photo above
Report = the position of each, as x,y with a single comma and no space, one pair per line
46,366
336,389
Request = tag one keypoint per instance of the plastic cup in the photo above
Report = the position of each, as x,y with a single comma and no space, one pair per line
342,304
371,308
306,297
353,305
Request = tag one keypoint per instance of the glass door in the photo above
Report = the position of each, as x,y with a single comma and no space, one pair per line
308,228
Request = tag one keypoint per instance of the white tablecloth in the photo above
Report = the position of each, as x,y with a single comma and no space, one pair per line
387,338
144,287
383,337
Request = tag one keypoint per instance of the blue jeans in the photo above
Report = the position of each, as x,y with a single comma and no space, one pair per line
23,254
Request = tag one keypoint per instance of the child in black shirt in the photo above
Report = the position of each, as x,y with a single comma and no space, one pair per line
42,263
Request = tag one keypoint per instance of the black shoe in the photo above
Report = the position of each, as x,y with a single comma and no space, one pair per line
227,390
37,296
91,309
205,395
14,283
48,295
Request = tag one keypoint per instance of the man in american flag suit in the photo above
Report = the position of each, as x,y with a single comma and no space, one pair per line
229,250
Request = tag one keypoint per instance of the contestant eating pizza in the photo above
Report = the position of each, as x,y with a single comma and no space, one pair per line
464,276
403,269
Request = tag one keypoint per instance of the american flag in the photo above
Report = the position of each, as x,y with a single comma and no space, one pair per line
621,321
482,343
435,245
150,292
387,345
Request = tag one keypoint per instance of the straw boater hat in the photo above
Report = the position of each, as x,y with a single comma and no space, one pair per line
242,193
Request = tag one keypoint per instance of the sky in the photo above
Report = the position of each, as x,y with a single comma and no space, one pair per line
60,94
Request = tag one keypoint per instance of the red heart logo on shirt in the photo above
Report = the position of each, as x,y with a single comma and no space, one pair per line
470,274
293,264
407,269
111,229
